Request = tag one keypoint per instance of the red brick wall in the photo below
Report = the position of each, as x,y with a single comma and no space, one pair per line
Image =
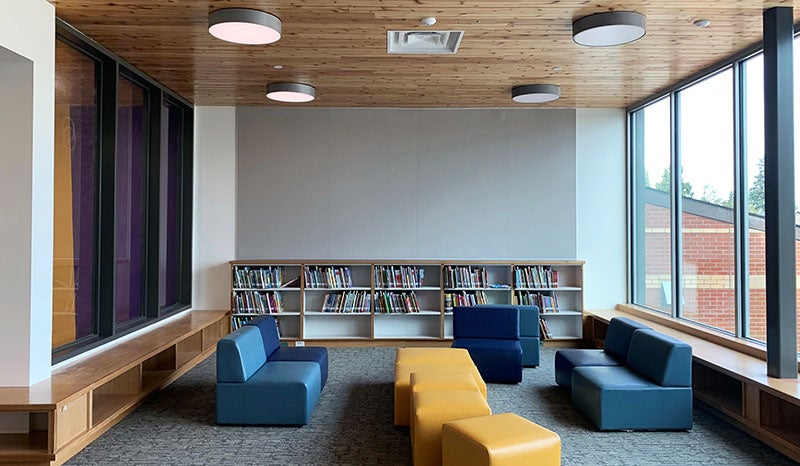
708,270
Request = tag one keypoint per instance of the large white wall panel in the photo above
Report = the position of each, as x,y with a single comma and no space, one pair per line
601,206
397,183
27,89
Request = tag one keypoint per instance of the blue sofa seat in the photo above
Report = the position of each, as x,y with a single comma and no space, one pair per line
528,332
615,352
275,352
251,390
652,392
491,336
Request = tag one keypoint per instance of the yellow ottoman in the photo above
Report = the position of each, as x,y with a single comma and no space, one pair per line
402,383
499,440
431,379
432,355
434,408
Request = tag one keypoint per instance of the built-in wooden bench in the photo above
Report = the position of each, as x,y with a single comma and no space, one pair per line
728,376
85,398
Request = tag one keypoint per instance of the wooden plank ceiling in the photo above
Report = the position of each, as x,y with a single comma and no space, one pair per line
339,46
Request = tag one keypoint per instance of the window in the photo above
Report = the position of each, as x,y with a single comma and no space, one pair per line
75,200
123,178
130,201
708,268
651,149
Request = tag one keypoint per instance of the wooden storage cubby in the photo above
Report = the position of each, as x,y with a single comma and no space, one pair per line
156,369
36,442
718,389
188,348
213,333
780,417
116,394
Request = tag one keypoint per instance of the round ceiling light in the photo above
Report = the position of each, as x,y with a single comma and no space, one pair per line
244,26
609,28
290,92
535,93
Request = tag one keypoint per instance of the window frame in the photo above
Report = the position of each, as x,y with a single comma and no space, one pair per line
108,68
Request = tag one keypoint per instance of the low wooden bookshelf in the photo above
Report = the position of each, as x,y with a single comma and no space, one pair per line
380,301
83,399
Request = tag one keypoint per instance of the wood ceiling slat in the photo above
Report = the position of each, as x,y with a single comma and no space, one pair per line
339,46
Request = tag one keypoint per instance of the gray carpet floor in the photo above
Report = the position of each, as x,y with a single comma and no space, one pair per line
352,425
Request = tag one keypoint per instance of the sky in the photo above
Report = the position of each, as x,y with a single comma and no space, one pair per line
706,120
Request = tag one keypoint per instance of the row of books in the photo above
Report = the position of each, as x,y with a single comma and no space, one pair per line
348,302
257,277
535,276
547,302
238,321
327,277
465,276
544,329
464,298
390,276
255,302
389,302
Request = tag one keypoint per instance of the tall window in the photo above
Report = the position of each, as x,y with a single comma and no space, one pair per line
75,180
651,149
123,168
131,164
708,268
169,193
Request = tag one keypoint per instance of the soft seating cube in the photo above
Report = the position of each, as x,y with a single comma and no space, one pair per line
251,390
528,332
653,392
499,440
409,360
431,409
275,352
615,352
436,380
491,335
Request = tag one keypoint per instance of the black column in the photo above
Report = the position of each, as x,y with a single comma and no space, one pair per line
779,193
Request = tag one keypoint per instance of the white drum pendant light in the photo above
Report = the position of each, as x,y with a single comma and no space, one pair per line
290,92
244,26
610,28
535,93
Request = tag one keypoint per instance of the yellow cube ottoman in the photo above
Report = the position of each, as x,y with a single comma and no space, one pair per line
431,409
431,379
402,382
432,355
499,440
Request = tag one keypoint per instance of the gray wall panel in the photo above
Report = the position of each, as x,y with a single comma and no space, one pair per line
381,183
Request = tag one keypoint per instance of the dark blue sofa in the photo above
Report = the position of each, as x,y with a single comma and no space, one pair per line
251,390
275,352
491,336
617,342
653,391
528,332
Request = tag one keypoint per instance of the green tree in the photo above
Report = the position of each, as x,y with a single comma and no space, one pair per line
710,195
755,195
663,185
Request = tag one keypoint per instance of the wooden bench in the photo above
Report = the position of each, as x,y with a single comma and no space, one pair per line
85,398
730,382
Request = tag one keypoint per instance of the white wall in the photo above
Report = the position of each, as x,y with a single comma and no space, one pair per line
405,183
214,216
601,229
27,93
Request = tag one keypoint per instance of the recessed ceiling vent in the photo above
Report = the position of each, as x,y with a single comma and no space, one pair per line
423,42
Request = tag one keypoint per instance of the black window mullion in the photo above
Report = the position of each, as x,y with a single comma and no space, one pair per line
185,209
106,307
741,218
676,211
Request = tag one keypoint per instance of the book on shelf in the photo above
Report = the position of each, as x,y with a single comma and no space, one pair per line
292,283
390,302
544,329
257,302
399,276
546,301
465,276
238,321
535,276
464,299
351,302
257,277
324,276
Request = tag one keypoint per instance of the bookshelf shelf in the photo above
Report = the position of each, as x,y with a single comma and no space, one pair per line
400,299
